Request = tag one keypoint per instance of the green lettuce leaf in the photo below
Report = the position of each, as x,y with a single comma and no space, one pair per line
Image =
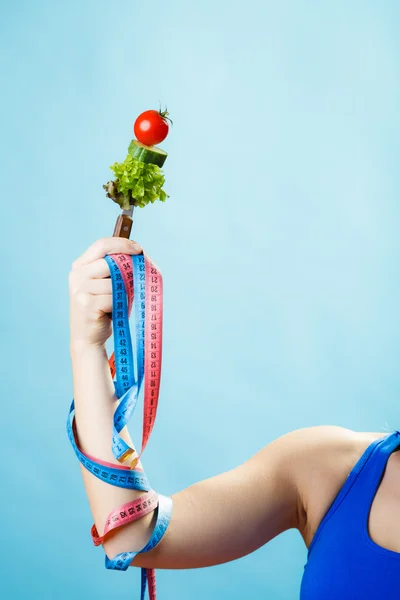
136,183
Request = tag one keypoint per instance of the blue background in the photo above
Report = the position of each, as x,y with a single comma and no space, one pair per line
279,248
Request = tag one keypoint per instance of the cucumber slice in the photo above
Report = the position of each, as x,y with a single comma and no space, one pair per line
147,154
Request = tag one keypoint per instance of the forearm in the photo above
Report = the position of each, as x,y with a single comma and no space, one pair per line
95,403
213,521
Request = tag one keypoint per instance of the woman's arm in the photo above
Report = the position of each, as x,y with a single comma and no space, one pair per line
214,521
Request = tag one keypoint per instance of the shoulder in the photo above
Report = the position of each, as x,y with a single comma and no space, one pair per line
317,460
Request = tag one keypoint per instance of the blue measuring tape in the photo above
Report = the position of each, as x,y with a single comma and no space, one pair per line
127,388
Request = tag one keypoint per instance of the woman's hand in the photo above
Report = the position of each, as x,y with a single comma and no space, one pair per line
90,290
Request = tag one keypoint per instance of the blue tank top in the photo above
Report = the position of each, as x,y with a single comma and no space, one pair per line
343,562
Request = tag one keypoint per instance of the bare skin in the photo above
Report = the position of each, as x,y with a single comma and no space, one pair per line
289,484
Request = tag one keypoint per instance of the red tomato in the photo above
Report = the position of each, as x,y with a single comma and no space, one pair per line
151,127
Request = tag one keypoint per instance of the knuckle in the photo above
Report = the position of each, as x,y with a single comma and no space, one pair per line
75,283
84,299
101,244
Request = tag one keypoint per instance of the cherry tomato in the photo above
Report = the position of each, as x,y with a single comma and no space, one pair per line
151,127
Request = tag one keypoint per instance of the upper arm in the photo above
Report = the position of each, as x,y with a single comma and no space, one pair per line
225,516
229,515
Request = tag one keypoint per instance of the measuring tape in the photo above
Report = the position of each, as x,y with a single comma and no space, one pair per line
137,281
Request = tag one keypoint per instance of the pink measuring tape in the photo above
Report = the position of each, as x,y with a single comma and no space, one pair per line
153,336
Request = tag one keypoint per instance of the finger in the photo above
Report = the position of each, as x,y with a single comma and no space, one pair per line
101,304
97,287
94,305
97,269
103,246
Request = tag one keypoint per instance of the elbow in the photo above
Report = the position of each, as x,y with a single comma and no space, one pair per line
132,538
147,560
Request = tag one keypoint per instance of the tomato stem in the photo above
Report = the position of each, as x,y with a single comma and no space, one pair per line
164,114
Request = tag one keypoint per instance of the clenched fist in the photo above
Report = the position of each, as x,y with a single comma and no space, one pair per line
90,290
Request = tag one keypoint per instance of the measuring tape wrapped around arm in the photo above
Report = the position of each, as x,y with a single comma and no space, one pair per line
133,277
136,281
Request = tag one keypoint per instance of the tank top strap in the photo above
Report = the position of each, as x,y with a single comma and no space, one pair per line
364,479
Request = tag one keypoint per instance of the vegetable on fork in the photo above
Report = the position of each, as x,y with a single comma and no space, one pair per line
140,179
